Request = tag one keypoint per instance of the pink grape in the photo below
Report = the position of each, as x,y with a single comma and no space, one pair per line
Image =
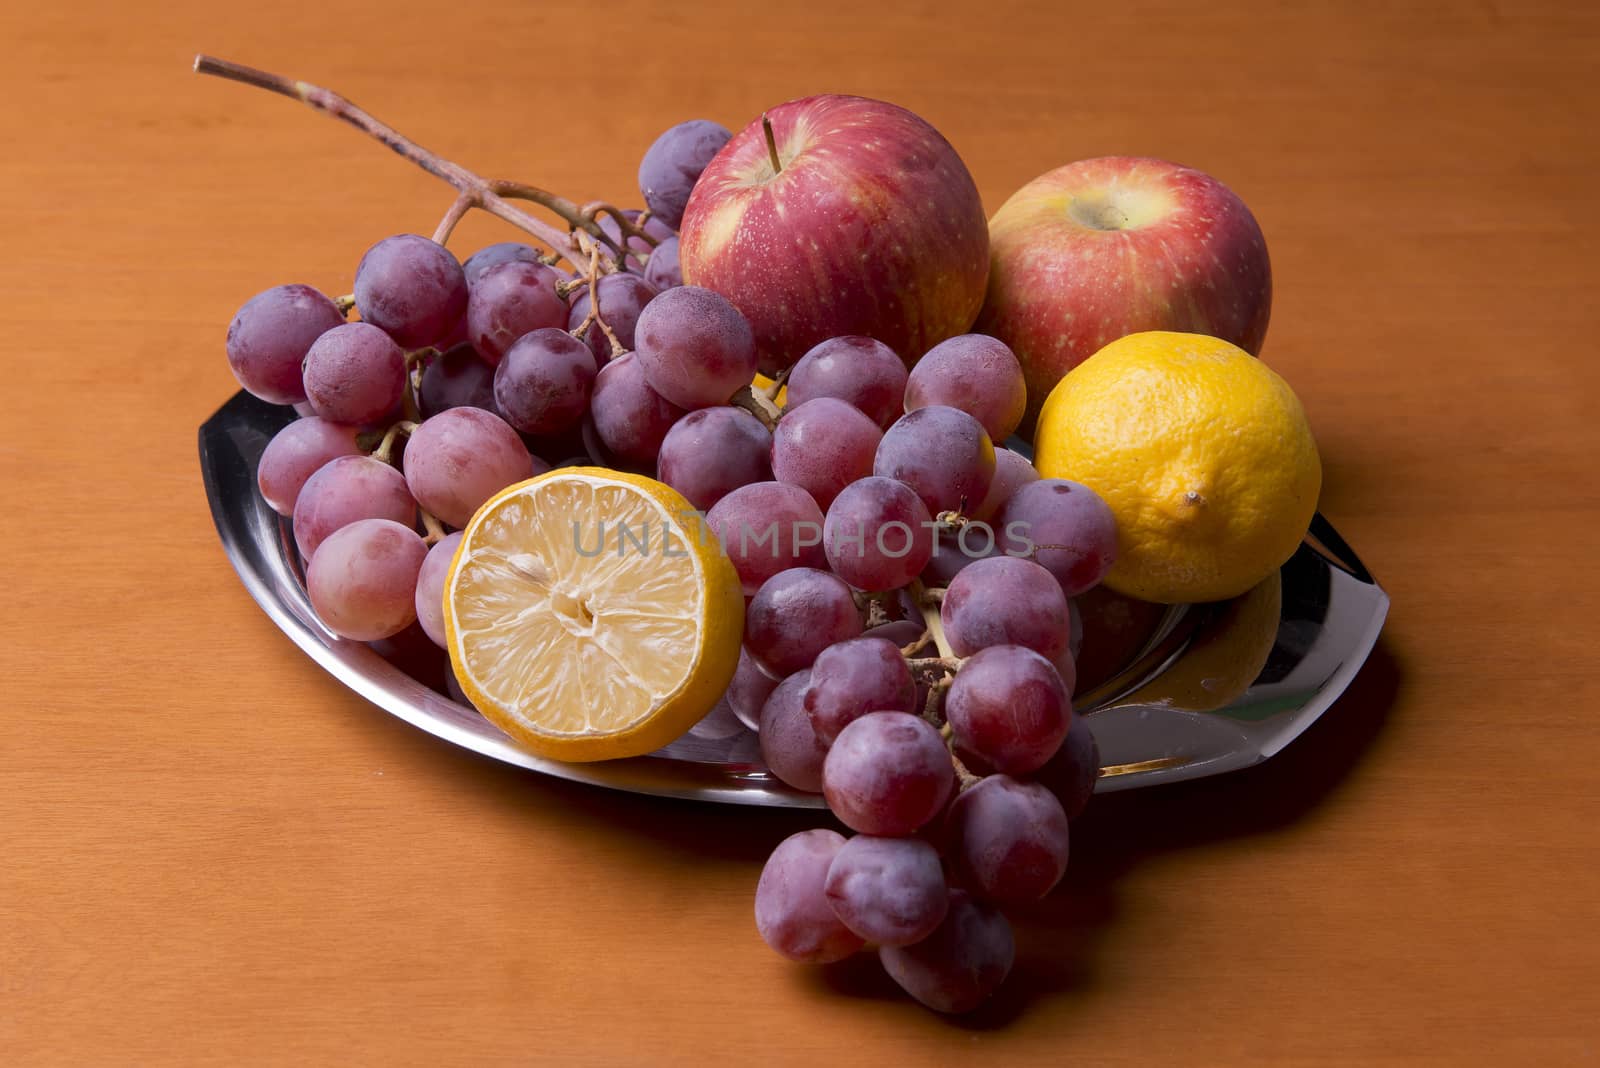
1009,706
355,374
956,968
460,458
269,337
295,453
788,745
1007,840
510,300
459,378
792,911
878,534
542,386
855,677
1012,471
887,773
942,453
768,527
695,348
749,690
1005,601
662,269
890,891
493,256
976,373
711,452
622,300
430,587
363,579
857,370
1073,771
822,446
345,490
795,615
411,288
1066,528
673,162
631,418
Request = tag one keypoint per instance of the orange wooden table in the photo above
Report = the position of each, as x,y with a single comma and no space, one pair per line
210,852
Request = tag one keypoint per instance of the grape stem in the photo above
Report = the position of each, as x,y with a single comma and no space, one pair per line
345,303
928,600
385,451
592,276
772,391
432,525
757,404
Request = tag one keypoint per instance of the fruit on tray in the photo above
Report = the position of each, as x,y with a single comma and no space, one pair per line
1107,247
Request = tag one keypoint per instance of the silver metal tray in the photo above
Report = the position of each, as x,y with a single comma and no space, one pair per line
1188,692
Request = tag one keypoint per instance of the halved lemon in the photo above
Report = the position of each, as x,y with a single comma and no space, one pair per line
590,615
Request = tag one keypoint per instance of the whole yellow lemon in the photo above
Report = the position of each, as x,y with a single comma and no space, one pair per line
1203,453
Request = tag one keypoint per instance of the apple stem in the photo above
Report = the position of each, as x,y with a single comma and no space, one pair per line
772,145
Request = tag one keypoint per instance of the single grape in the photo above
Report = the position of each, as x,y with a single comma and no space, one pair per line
888,890
857,370
1065,527
1007,840
851,678
673,163
459,378
695,348
942,453
711,452
355,374
630,418
749,690
662,269
1005,601
295,453
768,527
347,489
510,300
901,632
955,551
792,911
543,384
622,300
790,748
956,968
822,446
494,255
362,579
976,373
270,336
460,458
1012,471
1009,706
1072,772
887,773
719,724
878,534
795,615
411,288
430,587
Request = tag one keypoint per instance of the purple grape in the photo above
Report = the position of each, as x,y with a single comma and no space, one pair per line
899,632
460,458
822,446
768,527
942,453
1007,840
976,373
543,384
662,269
888,890
957,967
1005,601
955,551
345,490
411,288
1009,707
857,370
355,374
494,255
1012,471
1065,527
749,690
878,534
887,773
792,911
852,678
695,347
270,336
430,587
622,300
362,580
510,300
795,615
1073,771
631,418
673,163
295,453
711,452
788,745
459,378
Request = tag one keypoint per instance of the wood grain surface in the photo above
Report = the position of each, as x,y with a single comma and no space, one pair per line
210,852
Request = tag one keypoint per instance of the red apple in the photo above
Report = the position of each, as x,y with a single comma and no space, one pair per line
868,224
1102,248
